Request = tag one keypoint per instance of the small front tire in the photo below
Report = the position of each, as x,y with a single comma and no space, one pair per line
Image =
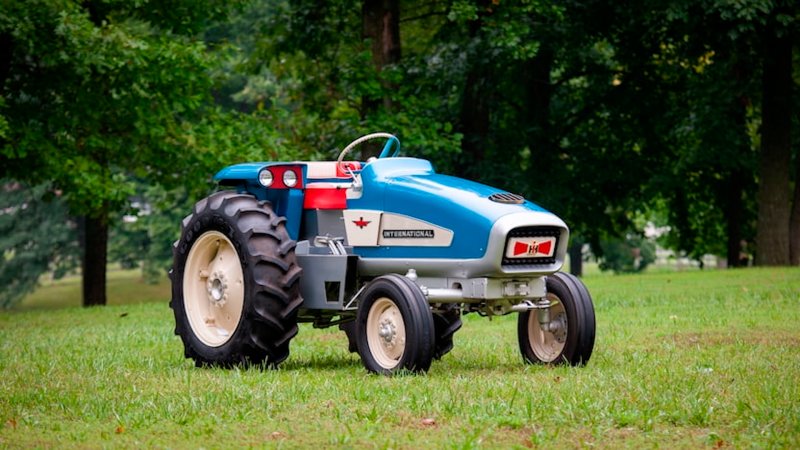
569,339
395,326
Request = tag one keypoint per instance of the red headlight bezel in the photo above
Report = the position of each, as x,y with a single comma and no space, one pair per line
278,173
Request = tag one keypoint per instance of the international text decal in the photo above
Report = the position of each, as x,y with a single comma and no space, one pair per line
408,234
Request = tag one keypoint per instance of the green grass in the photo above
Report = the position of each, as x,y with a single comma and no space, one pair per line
123,287
687,360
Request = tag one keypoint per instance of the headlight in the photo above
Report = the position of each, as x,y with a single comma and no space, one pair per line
265,178
290,178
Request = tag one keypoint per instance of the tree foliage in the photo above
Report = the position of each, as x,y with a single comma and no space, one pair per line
94,91
603,113
630,254
99,94
37,237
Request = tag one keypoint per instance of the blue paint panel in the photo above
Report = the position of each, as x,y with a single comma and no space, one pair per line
406,186
410,187
246,171
294,212
285,202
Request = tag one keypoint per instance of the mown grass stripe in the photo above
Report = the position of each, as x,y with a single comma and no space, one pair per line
682,360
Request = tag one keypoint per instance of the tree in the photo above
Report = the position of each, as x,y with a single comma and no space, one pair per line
381,27
36,235
716,55
774,201
599,120
95,91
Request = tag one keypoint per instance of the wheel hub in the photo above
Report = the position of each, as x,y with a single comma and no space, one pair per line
386,335
547,330
213,288
387,331
558,326
217,289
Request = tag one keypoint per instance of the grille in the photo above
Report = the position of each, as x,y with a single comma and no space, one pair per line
506,197
532,232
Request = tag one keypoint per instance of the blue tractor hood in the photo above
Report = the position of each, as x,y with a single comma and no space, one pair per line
410,187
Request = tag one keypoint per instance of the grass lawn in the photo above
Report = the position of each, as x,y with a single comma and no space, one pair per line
688,360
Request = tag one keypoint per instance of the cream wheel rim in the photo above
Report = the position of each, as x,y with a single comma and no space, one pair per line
386,333
549,345
213,288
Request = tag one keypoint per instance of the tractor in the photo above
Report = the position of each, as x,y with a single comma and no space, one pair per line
387,249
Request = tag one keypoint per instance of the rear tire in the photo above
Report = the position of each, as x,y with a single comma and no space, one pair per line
572,339
395,330
235,283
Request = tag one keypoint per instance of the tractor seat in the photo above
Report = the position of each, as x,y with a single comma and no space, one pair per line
330,170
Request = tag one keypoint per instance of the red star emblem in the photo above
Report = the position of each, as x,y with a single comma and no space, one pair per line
361,223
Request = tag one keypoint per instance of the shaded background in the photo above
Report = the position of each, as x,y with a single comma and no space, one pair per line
622,118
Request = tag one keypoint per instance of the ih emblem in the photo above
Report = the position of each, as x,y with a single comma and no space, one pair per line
361,223
531,247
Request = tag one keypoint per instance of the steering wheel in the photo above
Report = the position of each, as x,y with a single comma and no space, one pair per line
391,149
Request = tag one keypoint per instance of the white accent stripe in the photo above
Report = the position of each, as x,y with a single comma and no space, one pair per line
361,226
370,228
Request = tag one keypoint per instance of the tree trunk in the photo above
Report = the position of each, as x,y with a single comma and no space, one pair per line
541,136
95,243
734,214
576,257
474,121
540,92
794,222
6,53
381,26
473,117
772,232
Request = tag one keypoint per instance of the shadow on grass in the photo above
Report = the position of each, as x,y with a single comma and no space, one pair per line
446,365
326,362
351,362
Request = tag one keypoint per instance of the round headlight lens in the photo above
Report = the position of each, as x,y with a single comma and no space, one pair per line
290,178
265,178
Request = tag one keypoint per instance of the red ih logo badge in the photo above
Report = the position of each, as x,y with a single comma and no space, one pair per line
528,247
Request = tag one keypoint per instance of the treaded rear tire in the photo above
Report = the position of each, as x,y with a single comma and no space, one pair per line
270,277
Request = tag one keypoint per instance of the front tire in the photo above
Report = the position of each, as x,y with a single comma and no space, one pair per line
570,338
235,283
395,329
